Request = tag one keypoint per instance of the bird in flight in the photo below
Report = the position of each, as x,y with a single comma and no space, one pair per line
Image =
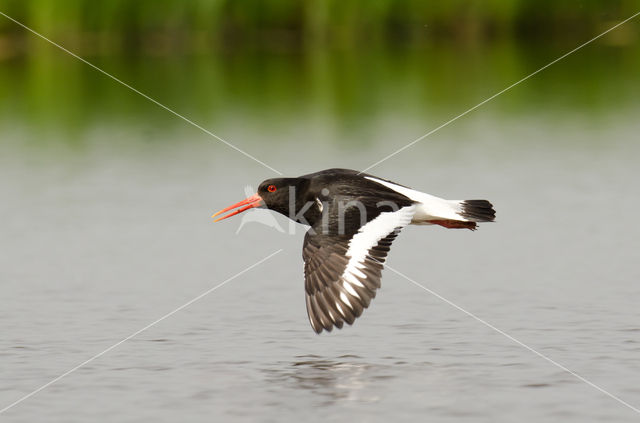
353,217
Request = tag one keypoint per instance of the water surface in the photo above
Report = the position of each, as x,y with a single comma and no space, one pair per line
105,223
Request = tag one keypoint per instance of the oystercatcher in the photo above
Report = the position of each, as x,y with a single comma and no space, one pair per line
353,217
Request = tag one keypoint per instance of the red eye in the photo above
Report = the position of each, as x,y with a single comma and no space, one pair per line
271,188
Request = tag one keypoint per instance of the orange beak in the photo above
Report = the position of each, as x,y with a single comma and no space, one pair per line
248,203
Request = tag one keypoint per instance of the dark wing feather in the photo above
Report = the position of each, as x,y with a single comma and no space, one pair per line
334,297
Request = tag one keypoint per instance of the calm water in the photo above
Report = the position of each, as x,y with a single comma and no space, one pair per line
105,228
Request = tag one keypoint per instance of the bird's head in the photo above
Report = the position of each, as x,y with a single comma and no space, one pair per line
284,195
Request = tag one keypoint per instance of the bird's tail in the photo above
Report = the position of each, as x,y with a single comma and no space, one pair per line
470,212
477,210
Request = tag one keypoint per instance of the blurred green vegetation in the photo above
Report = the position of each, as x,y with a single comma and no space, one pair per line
99,27
346,95
347,68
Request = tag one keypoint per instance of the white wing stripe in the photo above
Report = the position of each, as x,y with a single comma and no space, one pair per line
369,235
331,315
430,207
358,273
350,289
345,300
350,278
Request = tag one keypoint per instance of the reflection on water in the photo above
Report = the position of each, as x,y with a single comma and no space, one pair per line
342,379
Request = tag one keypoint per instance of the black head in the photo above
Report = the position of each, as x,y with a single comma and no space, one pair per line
284,195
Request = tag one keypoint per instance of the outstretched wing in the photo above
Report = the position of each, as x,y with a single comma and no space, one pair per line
342,273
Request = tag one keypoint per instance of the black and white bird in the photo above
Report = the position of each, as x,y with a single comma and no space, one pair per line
353,217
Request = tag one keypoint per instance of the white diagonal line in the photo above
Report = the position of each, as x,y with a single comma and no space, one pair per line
497,94
206,131
188,303
522,344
